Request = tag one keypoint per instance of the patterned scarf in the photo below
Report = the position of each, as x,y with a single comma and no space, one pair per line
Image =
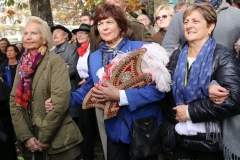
214,3
28,66
199,76
109,53
83,49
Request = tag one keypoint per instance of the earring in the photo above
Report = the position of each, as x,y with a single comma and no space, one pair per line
44,42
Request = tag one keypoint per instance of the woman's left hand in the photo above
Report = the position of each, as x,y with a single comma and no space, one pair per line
106,92
181,115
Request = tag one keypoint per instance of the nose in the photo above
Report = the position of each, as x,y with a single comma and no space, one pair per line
105,26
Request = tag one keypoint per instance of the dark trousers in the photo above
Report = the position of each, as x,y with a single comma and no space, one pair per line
120,151
181,153
87,125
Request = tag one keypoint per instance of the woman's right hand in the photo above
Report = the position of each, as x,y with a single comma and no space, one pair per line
48,105
31,144
82,82
217,94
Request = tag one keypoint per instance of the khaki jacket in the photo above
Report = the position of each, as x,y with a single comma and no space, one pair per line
51,79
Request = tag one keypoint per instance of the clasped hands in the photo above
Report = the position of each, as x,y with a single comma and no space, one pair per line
103,92
35,145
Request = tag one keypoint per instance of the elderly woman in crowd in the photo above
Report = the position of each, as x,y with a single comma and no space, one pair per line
164,14
87,122
42,74
193,66
11,63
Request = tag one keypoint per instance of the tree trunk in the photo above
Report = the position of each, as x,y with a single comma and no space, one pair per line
42,9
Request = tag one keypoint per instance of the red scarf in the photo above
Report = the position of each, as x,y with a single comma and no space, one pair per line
83,49
28,66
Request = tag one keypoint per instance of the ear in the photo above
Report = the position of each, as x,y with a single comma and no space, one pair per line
91,22
211,27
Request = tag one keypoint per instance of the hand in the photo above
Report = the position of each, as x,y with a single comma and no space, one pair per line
106,92
181,115
82,82
42,145
217,94
67,65
48,105
236,48
31,144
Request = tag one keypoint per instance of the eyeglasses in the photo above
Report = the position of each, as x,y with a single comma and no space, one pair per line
163,17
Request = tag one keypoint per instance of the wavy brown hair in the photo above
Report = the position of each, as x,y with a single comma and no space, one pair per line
105,11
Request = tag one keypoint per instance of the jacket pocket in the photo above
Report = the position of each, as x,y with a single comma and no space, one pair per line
65,136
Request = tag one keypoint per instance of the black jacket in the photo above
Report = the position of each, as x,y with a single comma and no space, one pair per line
226,71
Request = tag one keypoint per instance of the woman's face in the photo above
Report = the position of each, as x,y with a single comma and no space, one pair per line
196,28
11,53
163,19
3,45
82,37
32,37
109,31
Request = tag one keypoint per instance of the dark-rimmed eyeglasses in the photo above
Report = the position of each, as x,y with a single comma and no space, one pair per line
163,17
81,33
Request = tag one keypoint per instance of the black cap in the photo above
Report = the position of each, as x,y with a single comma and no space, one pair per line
64,29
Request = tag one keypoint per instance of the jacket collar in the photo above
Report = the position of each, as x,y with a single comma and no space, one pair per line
39,71
62,48
223,6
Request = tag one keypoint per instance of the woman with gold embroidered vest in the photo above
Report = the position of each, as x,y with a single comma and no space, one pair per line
42,74
196,63
139,101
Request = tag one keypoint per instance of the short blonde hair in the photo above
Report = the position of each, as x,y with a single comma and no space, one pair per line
44,29
166,7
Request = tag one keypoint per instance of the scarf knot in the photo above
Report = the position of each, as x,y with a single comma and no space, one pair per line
109,53
83,49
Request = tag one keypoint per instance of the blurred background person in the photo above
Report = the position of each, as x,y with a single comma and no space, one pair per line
142,18
21,49
3,43
7,135
164,14
180,6
42,74
86,18
234,3
11,63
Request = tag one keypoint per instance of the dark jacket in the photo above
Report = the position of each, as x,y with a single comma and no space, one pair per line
226,71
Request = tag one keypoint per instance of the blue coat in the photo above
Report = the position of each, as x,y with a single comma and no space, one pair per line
143,102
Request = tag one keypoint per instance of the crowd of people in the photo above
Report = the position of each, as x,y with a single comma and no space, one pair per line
60,88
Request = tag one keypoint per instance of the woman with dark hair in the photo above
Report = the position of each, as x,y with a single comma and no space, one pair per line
193,66
234,3
137,102
7,135
11,63
110,24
